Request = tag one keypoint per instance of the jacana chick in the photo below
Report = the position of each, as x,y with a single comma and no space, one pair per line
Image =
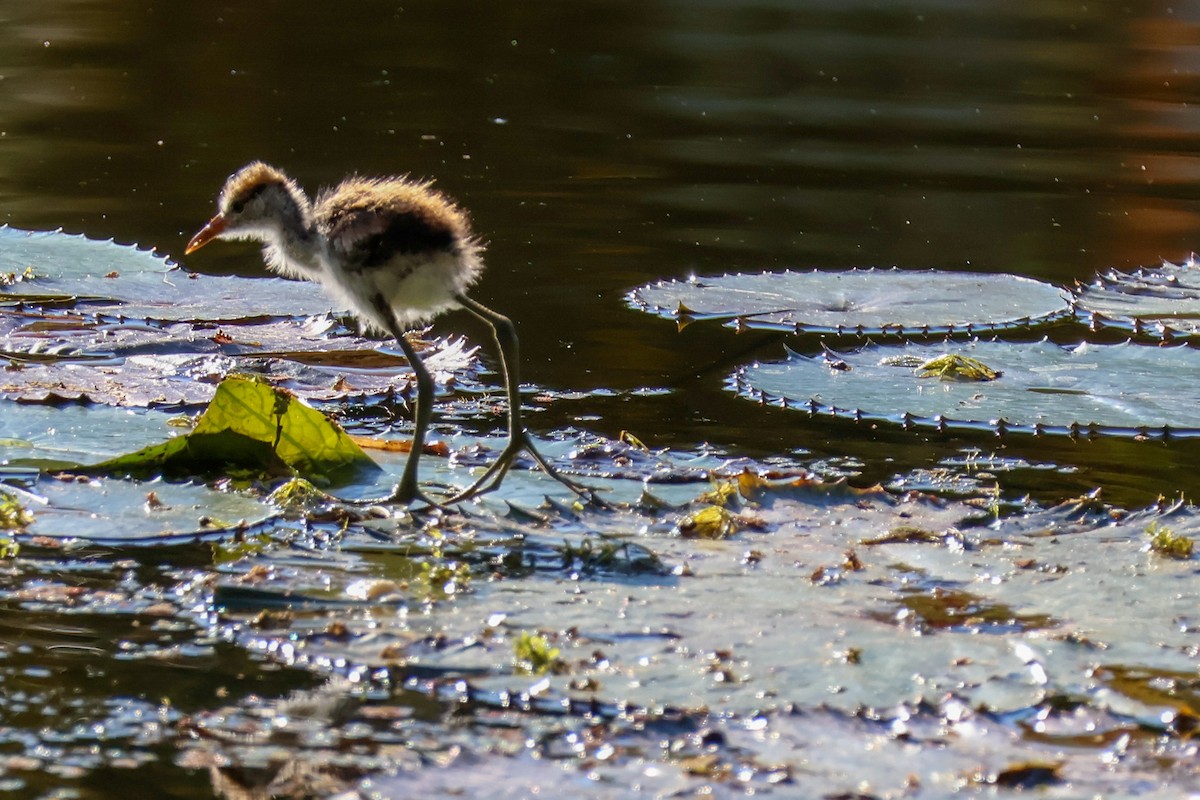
397,253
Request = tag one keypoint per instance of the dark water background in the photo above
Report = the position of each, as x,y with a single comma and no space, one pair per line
602,144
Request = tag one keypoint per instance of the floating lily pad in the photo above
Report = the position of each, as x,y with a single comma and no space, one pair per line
1163,302
54,437
55,269
867,301
1122,389
174,379
134,512
35,335
83,320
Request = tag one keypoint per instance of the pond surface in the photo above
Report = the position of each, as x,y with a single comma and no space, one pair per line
601,146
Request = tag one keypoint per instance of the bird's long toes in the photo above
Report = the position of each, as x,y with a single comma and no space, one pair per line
495,474
580,489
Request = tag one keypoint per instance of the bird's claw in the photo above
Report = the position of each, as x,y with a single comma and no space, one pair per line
411,495
491,479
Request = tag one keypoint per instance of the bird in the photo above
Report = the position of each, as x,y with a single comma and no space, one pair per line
396,252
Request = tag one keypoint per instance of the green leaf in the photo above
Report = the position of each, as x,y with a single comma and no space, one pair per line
250,425
868,301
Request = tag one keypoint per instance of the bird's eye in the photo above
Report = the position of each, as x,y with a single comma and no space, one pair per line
238,207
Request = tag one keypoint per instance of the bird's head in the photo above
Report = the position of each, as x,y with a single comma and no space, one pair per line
257,202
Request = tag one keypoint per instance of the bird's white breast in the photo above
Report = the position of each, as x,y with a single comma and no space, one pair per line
416,287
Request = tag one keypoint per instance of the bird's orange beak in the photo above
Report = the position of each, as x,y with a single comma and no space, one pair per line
215,227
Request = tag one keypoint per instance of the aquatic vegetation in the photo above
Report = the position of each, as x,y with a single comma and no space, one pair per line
1047,389
297,493
863,302
1167,542
1161,302
957,367
250,425
945,631
442,578
239,547
710,522
13,515
440,575
534,655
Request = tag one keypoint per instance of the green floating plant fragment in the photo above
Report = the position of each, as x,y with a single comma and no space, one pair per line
297,493
534,655
710,522
250,425
1122,389
867,301
13,515
1166,542
441,578
955,367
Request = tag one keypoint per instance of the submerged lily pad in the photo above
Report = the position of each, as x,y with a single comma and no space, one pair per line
866,301
1122,389
55,269
1163,302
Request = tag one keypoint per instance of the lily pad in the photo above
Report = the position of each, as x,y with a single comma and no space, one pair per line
860,301
133,512
55,269
175,379
920,604
33,436
37,335
1122,389
1161,302
1008,650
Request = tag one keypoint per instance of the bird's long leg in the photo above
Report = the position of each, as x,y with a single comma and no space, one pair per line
518,438
408,491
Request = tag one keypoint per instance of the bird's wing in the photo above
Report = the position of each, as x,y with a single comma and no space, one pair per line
370,225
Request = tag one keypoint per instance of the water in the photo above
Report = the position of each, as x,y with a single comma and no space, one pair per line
600,145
